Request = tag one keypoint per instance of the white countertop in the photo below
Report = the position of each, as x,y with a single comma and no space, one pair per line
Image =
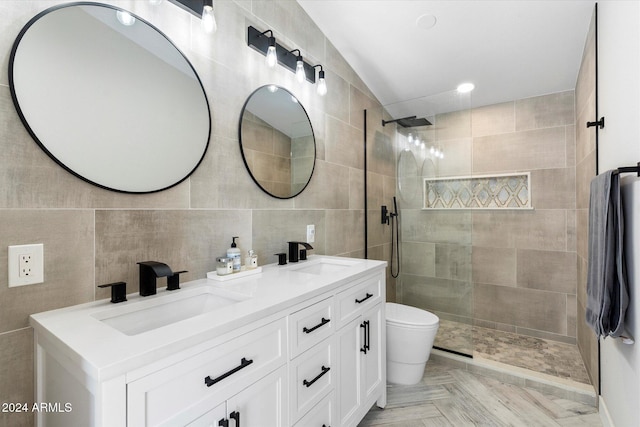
103,352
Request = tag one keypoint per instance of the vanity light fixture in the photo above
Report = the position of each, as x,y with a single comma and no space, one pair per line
203,9
322,84
288,58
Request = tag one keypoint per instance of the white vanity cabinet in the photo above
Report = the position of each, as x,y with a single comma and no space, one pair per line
361,338
184,391
305,350
261,404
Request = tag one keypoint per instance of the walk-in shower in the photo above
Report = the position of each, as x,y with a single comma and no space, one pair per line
476,247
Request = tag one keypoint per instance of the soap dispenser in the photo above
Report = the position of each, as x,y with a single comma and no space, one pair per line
234,253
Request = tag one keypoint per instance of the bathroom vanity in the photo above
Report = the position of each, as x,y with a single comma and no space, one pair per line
295,345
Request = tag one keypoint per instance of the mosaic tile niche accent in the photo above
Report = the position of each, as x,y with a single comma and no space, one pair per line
511,191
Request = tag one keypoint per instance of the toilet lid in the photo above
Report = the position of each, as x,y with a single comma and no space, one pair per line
407,315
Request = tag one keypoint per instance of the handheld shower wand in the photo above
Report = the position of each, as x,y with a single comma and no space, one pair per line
392,217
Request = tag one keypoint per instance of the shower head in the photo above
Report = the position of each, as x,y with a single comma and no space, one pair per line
409,122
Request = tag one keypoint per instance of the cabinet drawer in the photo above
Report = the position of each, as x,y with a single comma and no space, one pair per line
189,388
323,414
311,325
312,377
353,301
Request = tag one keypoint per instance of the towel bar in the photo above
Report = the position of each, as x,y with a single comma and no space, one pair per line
627,169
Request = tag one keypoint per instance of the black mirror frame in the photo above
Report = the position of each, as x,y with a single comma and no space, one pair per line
244,159
14,97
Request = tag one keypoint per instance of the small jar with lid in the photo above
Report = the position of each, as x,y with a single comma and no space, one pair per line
224,266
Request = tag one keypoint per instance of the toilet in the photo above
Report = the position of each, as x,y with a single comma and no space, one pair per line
410,335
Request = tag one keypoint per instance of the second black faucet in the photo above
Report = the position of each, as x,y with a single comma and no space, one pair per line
293,250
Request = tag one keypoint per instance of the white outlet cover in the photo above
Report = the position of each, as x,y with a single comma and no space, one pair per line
36,251
311,233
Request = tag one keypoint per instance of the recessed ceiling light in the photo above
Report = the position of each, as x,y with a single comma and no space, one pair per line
465,87
426,21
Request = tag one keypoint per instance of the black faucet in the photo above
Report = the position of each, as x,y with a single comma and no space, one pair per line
293,250
149,272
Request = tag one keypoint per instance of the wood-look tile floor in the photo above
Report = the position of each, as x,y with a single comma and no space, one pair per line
454,397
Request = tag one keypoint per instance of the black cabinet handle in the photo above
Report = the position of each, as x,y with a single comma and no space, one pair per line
243,364
310,383
322,323
368,329
360,301
363,325
223,423
236,416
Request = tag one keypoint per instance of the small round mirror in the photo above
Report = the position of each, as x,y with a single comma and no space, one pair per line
277,142
408,183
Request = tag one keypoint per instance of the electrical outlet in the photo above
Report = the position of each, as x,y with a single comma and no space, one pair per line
26,264
311,233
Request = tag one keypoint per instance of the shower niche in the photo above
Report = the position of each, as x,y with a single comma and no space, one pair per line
509,191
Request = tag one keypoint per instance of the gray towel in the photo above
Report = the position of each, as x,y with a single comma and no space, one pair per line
607,295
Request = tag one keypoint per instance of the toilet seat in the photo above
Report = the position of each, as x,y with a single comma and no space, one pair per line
411,317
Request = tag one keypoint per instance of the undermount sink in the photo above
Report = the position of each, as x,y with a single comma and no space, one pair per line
135,319
325,266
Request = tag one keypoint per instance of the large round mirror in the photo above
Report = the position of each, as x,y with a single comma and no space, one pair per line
109,97
277,142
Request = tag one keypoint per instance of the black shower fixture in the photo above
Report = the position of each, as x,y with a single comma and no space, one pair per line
409,122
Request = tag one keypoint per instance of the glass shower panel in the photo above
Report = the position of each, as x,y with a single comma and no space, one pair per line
435,244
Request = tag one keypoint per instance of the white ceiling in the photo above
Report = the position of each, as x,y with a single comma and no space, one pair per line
510,49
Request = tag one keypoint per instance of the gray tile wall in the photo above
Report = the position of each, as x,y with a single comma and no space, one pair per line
93,236
507,269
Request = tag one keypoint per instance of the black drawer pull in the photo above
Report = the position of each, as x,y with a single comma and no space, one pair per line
310,383
223,423
360,301
236,416
243,364
322,323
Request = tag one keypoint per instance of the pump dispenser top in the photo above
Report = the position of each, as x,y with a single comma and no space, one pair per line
234,253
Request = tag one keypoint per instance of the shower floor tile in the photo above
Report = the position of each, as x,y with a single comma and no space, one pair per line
536,354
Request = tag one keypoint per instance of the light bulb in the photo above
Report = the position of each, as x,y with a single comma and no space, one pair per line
422,146
208,22
125,18
432,150
410,138
322,85
300,74
272,56
465,87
